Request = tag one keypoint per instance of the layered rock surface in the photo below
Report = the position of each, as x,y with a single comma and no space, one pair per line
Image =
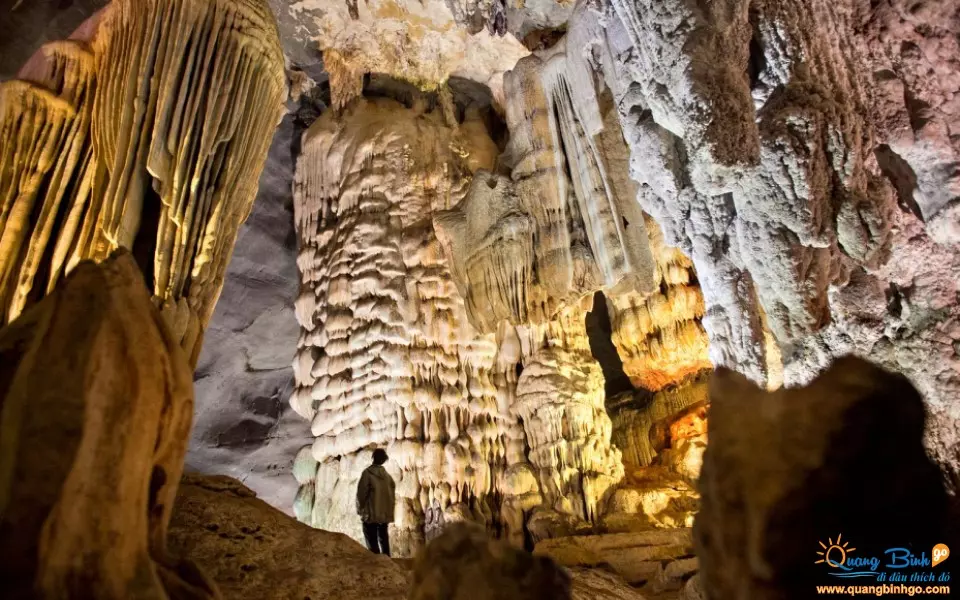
760,169
124,136
388,357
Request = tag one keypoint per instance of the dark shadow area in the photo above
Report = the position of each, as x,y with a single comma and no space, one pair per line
901,175
467,94
599,332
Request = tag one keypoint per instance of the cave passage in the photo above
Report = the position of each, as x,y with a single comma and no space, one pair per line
600,332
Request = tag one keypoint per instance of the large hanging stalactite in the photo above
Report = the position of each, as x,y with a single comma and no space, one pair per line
149,132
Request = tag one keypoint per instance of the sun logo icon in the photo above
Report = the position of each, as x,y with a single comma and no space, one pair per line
834,553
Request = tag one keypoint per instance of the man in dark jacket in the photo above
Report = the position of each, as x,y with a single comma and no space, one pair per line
375,501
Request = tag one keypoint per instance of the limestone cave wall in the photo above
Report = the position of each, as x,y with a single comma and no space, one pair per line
741,180
753,184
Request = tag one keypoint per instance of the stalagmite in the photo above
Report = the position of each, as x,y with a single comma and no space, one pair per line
148,133
560,402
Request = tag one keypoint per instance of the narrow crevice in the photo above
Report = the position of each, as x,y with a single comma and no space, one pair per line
600,336
757,62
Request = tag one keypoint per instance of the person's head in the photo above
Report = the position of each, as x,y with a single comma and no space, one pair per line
379,456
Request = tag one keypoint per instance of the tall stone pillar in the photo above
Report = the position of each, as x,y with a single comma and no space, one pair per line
387,357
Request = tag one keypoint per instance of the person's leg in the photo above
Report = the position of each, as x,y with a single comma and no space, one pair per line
384,535
370,534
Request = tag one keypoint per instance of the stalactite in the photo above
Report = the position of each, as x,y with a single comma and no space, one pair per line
659,336
150,137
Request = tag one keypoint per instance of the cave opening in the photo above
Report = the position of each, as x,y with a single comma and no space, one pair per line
756,61
600,336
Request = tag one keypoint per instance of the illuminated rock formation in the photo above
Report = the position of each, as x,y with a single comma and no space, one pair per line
142,135
568,189
755,184
750,138
758,170
418,42
72,487
641,428
560,401
387,357
660,336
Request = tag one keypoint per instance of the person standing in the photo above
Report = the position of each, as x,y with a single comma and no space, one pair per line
375,502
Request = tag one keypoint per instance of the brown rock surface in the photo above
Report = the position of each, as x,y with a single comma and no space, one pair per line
652,496
253,550
636,557
96,407
595,584
463,563
843,455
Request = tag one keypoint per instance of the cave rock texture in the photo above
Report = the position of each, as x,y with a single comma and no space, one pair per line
480,215
252,550
146,130
757,185
840,454
388,356
85,510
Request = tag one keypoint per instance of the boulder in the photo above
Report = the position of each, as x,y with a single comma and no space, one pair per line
651,497
637,557
685,456
96,401
463,563
253,550
545,523
600,584
786,470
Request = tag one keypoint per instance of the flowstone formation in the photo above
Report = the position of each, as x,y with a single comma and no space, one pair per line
388,356
751,146
143,134
714,172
